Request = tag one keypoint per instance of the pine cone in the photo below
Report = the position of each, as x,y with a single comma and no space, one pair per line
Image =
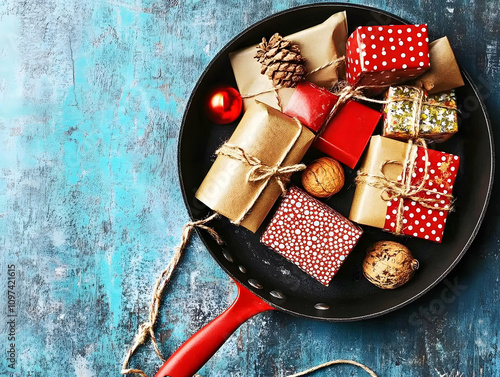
281,61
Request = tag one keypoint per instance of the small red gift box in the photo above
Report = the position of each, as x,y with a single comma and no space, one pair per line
348,132
385,55
310,234
385,199
311,105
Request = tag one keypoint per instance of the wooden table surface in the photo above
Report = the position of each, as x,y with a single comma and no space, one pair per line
91,99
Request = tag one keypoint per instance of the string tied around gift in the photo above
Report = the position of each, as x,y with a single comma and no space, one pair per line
419,99
146,329
346,92
406,188
260,171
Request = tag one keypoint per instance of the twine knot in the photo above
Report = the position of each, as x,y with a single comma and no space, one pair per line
145,330
260,171
346,92
406,188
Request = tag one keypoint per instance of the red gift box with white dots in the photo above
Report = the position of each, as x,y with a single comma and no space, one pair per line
310,234
386,55
419,220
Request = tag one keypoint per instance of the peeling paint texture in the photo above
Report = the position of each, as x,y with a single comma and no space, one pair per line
91,99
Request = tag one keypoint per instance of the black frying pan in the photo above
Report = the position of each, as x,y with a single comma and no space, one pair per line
277,283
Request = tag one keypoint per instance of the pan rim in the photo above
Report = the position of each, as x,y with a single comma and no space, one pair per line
431,285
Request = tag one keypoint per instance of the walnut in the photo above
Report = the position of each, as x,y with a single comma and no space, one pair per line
323,177
389,264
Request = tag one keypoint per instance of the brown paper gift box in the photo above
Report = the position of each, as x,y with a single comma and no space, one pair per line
319,44
444,73
268,135
368,207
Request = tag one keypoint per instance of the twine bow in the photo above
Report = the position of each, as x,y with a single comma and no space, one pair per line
345,92
259,170
406,188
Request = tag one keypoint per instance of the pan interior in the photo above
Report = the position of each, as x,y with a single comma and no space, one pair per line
349,296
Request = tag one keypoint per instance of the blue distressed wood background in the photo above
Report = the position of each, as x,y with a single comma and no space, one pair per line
91,99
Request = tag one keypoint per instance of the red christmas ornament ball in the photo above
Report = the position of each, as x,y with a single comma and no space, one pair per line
223,105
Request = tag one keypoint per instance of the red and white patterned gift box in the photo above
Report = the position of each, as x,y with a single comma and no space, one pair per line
310,234
429,179
418,219
386,55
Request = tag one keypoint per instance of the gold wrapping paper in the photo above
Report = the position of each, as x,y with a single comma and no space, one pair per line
272,137
444,73
411,113
368,207
319,44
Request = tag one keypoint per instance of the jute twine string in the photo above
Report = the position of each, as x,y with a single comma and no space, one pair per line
406,189
146,329
417,111
336,63
333,362
259,170
346,92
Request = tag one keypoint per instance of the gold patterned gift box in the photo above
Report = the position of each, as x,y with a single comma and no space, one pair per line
410,113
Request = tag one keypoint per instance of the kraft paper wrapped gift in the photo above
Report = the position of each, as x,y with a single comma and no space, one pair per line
320,44
422,210
267,138
444,73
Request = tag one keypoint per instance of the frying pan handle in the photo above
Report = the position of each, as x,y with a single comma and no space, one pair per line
198,349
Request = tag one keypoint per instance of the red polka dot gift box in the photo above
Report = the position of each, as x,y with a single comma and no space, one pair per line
311,235
343,137
386,55
405,189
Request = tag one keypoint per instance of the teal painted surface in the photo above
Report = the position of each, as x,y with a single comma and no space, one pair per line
91,99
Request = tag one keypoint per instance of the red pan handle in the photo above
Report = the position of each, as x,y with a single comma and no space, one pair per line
198,349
